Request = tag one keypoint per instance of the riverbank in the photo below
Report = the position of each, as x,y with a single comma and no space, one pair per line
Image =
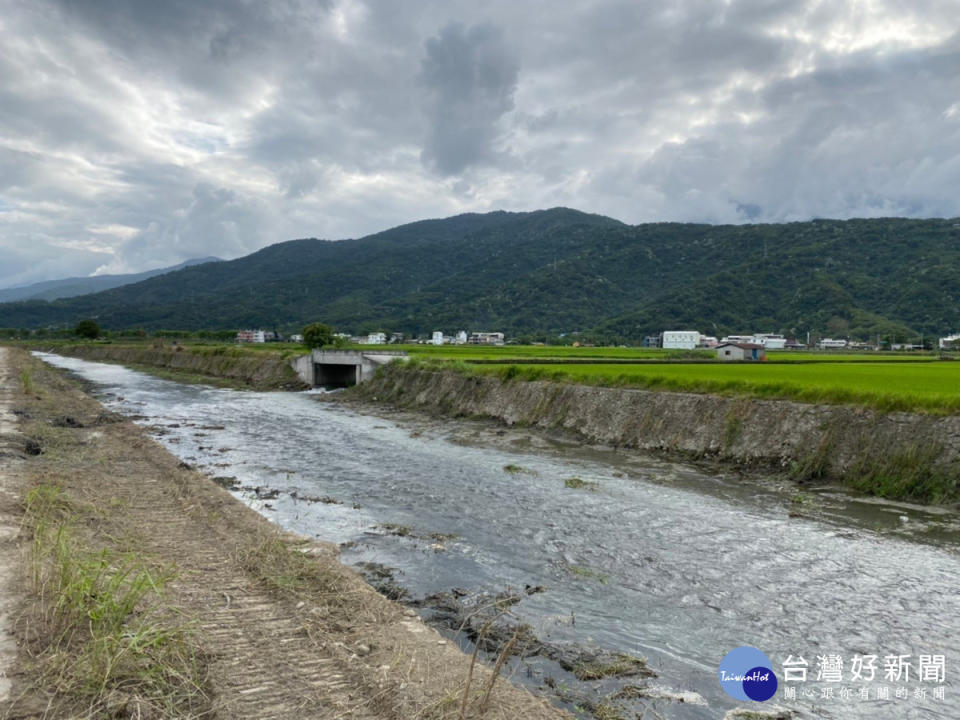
220,365
896,455
152,592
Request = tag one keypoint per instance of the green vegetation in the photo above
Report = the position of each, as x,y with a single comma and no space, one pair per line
111,636
575,483
317,335
565,275
932,387
588,573
621,664
87,329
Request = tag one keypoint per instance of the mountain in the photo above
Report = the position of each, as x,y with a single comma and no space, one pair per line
560,270
72,287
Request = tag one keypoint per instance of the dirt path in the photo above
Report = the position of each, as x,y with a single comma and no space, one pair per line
11,448
285,630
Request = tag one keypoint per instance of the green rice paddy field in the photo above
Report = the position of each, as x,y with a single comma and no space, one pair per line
915,386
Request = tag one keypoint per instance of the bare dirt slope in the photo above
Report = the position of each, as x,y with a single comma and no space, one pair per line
284,630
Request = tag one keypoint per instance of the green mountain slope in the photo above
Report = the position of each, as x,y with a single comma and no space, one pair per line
561,270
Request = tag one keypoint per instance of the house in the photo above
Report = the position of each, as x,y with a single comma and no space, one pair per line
950,342
378,338
708,341
770,341
737,352
461,337
437,338
486,338
680,339
251,336
296,337
651,341
831,344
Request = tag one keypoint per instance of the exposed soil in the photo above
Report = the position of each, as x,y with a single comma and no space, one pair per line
284,629
12,451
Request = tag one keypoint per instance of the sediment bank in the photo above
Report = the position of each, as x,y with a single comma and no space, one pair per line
897,455
237,618
248,370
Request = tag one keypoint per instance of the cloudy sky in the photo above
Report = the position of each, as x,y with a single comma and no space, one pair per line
136,134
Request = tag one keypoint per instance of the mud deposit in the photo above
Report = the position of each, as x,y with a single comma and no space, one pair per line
485,533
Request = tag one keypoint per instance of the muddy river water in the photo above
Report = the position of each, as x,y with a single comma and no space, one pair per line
671,562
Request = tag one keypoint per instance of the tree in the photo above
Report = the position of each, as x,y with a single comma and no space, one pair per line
87,329
317,335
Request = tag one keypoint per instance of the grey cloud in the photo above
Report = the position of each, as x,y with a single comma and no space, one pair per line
199,128
470,75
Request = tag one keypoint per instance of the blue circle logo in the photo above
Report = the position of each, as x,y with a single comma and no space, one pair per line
747,674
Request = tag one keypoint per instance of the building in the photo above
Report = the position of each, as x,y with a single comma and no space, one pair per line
831,344
486,338
770,342
741,352
950,342
296,337
651,341
437,338
680,339
738,339
461,338
708,341
378,338
251,336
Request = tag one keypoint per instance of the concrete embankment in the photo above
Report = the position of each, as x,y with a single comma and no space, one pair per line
246,369
902,455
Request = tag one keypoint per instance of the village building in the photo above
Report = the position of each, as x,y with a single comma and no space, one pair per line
486,338
680,339
741,352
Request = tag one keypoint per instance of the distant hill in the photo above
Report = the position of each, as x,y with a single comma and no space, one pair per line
561,271
72,287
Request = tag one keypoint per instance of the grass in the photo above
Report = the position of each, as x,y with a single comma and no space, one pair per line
886,386
621,664
575,483
109,639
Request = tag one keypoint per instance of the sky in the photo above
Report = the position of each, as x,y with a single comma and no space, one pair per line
136,134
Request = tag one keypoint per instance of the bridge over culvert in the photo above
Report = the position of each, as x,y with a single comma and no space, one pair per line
341,368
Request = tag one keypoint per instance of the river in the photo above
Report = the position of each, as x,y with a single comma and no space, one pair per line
672,562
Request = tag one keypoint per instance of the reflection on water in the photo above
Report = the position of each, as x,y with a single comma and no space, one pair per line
658,559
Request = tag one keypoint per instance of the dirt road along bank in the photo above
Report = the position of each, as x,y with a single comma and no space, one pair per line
190,603
12,451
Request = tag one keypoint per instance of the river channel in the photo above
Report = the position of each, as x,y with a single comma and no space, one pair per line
675,563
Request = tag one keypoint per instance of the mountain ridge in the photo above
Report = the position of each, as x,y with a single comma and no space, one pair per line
559,271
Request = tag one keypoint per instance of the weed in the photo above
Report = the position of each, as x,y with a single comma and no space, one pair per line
26,381
589,573
575,483
621,664
108,629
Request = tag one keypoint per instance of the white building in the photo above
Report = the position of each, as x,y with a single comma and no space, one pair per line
770,342
251,336
708,341
951,340
461,338
296,337
376,339
831,344
680,339
437,338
